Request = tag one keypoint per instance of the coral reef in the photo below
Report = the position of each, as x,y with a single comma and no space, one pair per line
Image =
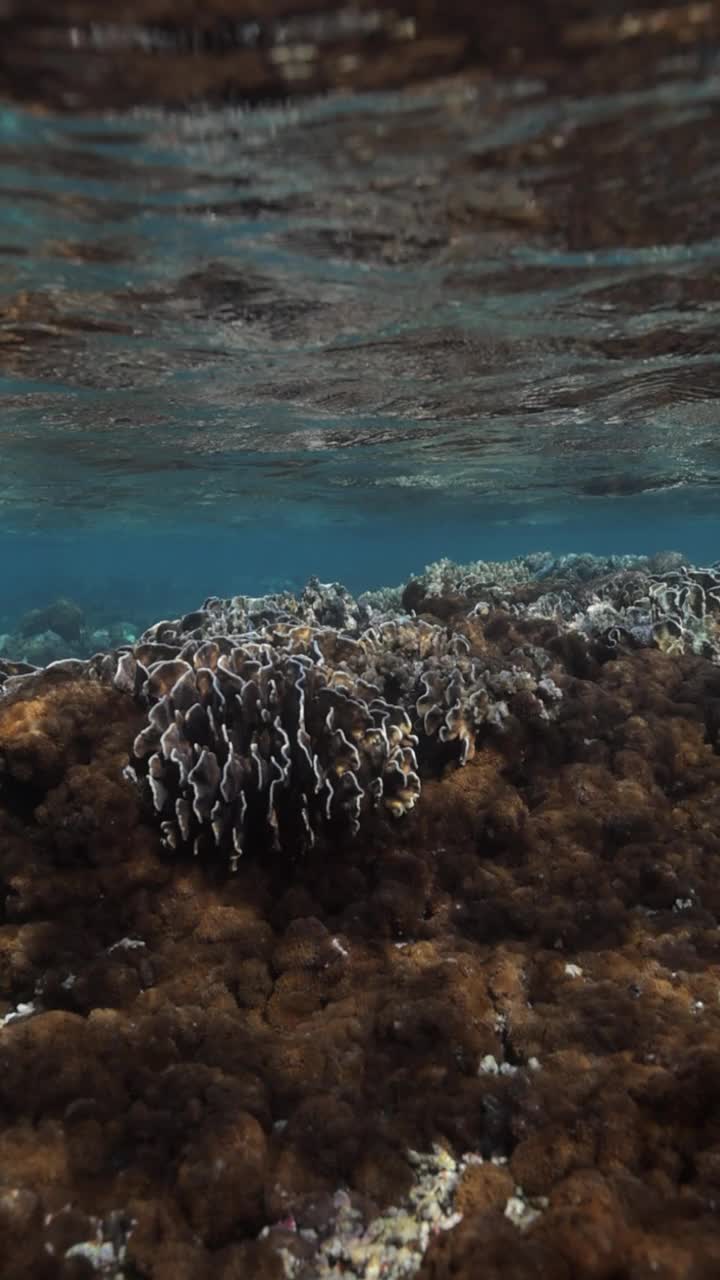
63,617
487,1030
272,718
616,600
60,630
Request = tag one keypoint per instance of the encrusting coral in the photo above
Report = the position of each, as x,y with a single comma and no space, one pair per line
214,1075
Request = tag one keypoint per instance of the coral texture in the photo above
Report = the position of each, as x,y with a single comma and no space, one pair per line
266,723
489,1030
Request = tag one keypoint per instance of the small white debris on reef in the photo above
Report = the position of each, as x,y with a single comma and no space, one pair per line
127,944
392,1245
18,1015
521,1211
107,1252
490,1066
100,1256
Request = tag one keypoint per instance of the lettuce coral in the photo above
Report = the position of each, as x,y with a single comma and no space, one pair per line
274,733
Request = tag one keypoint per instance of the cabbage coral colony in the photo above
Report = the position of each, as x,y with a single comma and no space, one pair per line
270,733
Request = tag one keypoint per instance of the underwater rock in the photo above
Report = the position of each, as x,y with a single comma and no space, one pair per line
44,647
122,633
101,639
62,617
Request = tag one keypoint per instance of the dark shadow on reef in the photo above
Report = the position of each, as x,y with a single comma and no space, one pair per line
524,967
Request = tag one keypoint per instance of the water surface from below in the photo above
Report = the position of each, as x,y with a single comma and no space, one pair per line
348,337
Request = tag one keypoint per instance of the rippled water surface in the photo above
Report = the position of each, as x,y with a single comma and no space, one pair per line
351,336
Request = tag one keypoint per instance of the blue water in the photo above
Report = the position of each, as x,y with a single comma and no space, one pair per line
348,338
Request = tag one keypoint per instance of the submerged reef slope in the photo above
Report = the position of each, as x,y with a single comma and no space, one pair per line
463,1007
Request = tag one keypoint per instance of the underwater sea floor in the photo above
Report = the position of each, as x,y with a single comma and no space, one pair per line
370,937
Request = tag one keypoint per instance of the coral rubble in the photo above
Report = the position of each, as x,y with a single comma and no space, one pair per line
213,1074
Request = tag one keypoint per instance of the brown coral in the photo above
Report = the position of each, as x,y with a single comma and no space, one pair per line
526,968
